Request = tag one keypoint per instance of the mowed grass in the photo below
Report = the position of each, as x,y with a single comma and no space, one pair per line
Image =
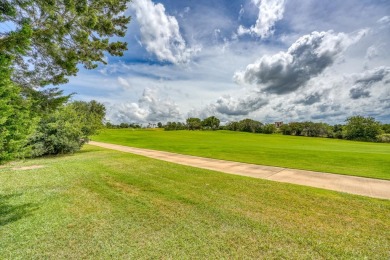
317,154
102,204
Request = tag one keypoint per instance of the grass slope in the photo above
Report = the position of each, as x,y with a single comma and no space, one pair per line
317,154
101,204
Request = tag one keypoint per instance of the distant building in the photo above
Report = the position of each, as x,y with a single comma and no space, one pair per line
278,124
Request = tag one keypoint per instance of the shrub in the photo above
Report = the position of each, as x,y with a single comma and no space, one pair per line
58,133
66,129
362,128
269,129
384,138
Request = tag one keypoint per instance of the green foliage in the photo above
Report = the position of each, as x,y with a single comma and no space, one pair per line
67,128
122,125
45,101
308,128
61,34
383,138
386,128
58,133
338,131
211,123
249,125
15,119
91,115
171,126
285,129
245,125
232,126
194,123
362,128
268,129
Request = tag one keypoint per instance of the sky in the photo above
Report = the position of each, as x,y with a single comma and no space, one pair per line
269,60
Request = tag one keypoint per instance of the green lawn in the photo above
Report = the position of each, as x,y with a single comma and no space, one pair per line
102,204
317,154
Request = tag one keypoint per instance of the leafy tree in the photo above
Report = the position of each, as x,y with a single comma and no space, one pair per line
296,128
338,131
194,123
170,126
211,123
91,115
249,125
316,129
67,128
232,126
45,101
159,125
57,35
286,129
268,129
386,128
362,128
58,133
15,120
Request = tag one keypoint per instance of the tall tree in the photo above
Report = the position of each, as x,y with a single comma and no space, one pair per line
194,123
91,114
15,119
362,128
60,34
211,123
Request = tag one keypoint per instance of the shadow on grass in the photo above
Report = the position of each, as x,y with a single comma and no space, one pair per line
10,213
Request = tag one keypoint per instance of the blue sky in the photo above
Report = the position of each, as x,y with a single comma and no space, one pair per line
270,60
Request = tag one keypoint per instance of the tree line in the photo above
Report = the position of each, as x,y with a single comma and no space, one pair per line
355,128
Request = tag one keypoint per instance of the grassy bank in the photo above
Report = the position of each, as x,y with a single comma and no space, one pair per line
101,204
317,154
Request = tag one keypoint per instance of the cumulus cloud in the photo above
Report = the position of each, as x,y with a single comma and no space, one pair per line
309,56
364,81
270,11
228,105
149,108
160,33
310,99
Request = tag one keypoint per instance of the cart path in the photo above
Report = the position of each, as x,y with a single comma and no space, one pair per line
350,184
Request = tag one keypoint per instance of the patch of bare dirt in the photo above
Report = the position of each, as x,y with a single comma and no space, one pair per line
31,167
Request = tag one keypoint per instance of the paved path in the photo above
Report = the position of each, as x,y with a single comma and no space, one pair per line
355,185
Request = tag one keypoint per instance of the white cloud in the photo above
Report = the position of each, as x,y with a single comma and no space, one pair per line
309,56
228,105
124,83
365,80
160,33
384,20
270,11
149,108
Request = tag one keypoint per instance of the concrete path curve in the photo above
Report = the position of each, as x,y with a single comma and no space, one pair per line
355,185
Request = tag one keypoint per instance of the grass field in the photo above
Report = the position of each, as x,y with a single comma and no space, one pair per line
102,204
317,154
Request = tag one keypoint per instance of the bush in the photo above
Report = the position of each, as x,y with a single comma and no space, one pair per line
268,129
384,138
58,133
362,128
66,129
